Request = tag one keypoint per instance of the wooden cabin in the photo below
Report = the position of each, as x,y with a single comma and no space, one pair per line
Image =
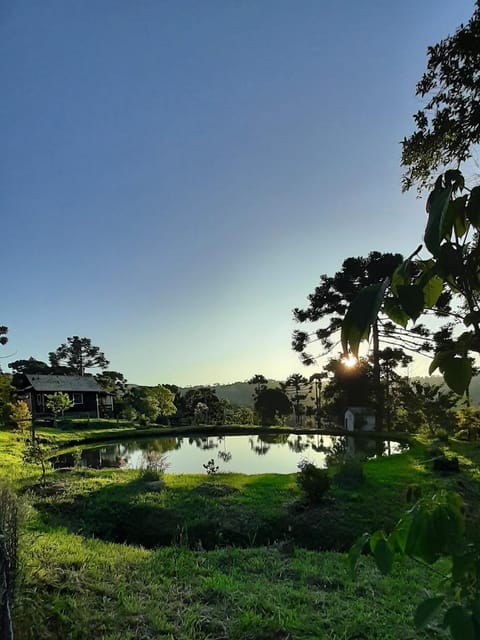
89,398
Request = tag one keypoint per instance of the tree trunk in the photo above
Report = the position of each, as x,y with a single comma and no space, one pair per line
377,385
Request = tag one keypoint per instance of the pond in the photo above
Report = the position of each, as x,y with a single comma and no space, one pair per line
249,454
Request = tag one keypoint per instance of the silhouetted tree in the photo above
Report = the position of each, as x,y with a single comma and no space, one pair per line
297,384
78,354
260,383
448,126
271,403
112,381
330,301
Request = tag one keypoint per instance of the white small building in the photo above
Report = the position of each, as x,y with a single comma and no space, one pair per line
359,419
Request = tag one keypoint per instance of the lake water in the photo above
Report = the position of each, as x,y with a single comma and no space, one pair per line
249,454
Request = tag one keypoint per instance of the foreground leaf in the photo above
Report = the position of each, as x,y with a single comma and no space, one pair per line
411,299
436,226
361,314
457,373
356,551
460,623
426,610
383,556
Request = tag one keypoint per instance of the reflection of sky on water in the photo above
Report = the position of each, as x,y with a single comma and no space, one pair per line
236,454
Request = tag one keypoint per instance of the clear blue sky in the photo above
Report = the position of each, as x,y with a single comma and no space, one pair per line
175,175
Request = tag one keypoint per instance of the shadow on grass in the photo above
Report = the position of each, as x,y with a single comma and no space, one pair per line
233,510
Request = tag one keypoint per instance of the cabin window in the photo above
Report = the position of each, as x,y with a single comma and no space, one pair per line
78,398
40,399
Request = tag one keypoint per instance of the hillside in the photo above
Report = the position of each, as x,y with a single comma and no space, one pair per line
239,393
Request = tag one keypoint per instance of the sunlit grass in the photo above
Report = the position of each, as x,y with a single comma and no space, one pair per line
78,586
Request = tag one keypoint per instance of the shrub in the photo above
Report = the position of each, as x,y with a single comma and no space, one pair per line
314,482
154,466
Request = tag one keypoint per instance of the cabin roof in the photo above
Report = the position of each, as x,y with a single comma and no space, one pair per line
43,382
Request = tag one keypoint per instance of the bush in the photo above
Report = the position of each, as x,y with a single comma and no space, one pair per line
314,482
154,466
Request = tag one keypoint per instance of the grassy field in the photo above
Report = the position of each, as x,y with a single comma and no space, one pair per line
240,557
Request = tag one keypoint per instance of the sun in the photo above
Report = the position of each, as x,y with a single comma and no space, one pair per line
349,361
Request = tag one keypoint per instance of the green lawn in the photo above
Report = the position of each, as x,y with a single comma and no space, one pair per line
240,557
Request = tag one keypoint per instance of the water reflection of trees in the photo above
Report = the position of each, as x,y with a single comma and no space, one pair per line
138,453
204,443
224,455
259,447
298,444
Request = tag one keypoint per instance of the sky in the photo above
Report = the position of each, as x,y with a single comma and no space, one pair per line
176,175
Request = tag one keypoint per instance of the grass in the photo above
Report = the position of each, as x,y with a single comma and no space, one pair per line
242,558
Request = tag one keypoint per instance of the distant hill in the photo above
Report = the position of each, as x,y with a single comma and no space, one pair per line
474,385
239,393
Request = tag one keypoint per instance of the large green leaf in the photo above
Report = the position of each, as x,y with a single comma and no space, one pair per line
460,222
394,311
432,290
356,550
437,221
400,275
454,217
361,314
383,556
473,207
411,300
398,538
420,536
440,358
426,610
460,623
457,373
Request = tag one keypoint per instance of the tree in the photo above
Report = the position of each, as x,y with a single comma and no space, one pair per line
200,413
78,354
243,415
448,126
20,415
330,301
151,402
207,396
347,387
30,365
297,383
271,403
260,383
316,383
7,397
112,381
164,398
58,403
